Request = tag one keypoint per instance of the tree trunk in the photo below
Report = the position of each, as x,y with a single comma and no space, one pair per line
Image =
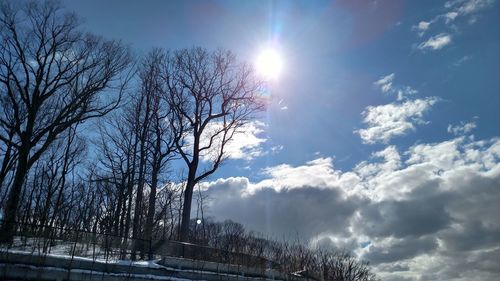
116,215
136,227
7,161
7,230
186,208
151,210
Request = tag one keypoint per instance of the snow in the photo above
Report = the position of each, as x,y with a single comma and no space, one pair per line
85,271
152,264
144,264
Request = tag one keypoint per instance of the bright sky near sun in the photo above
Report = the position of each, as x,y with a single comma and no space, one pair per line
269,63
382,133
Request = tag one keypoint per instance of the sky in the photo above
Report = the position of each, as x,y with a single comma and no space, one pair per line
382,132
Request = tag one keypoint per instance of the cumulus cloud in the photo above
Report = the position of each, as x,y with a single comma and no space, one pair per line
304,211
436,42
429,212
395,119
318,172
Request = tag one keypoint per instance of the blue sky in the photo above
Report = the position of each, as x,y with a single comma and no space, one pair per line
382,132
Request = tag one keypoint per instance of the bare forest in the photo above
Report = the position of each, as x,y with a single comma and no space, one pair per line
96,138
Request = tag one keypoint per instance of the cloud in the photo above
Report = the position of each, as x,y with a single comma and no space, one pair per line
405,92
412,217
461,61
444,194
277,148
450,16
318,172
303,211
472,6
422,27
436,42
425,213
461,8
400,249
395,119
385,83
282,106
246,143
446,21
462,128
464,7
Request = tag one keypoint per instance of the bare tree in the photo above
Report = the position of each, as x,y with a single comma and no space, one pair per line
211,96
135,147
156,142
51,177
52,76
161,139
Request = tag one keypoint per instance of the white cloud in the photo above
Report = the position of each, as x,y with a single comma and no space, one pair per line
385,83
277,148
405,92
454,9
436,42
466,7
423,25
395,119
318,172
443,154
392,161
462,128
473,6
450,16
246,143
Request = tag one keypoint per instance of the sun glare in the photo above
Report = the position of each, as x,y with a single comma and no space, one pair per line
269,64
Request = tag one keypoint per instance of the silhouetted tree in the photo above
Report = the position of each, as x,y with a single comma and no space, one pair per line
156,141
52,76
211,96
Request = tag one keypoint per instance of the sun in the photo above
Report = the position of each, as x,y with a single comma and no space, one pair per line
269,64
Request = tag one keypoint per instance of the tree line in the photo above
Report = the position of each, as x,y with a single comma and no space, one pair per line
96,138
184,104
